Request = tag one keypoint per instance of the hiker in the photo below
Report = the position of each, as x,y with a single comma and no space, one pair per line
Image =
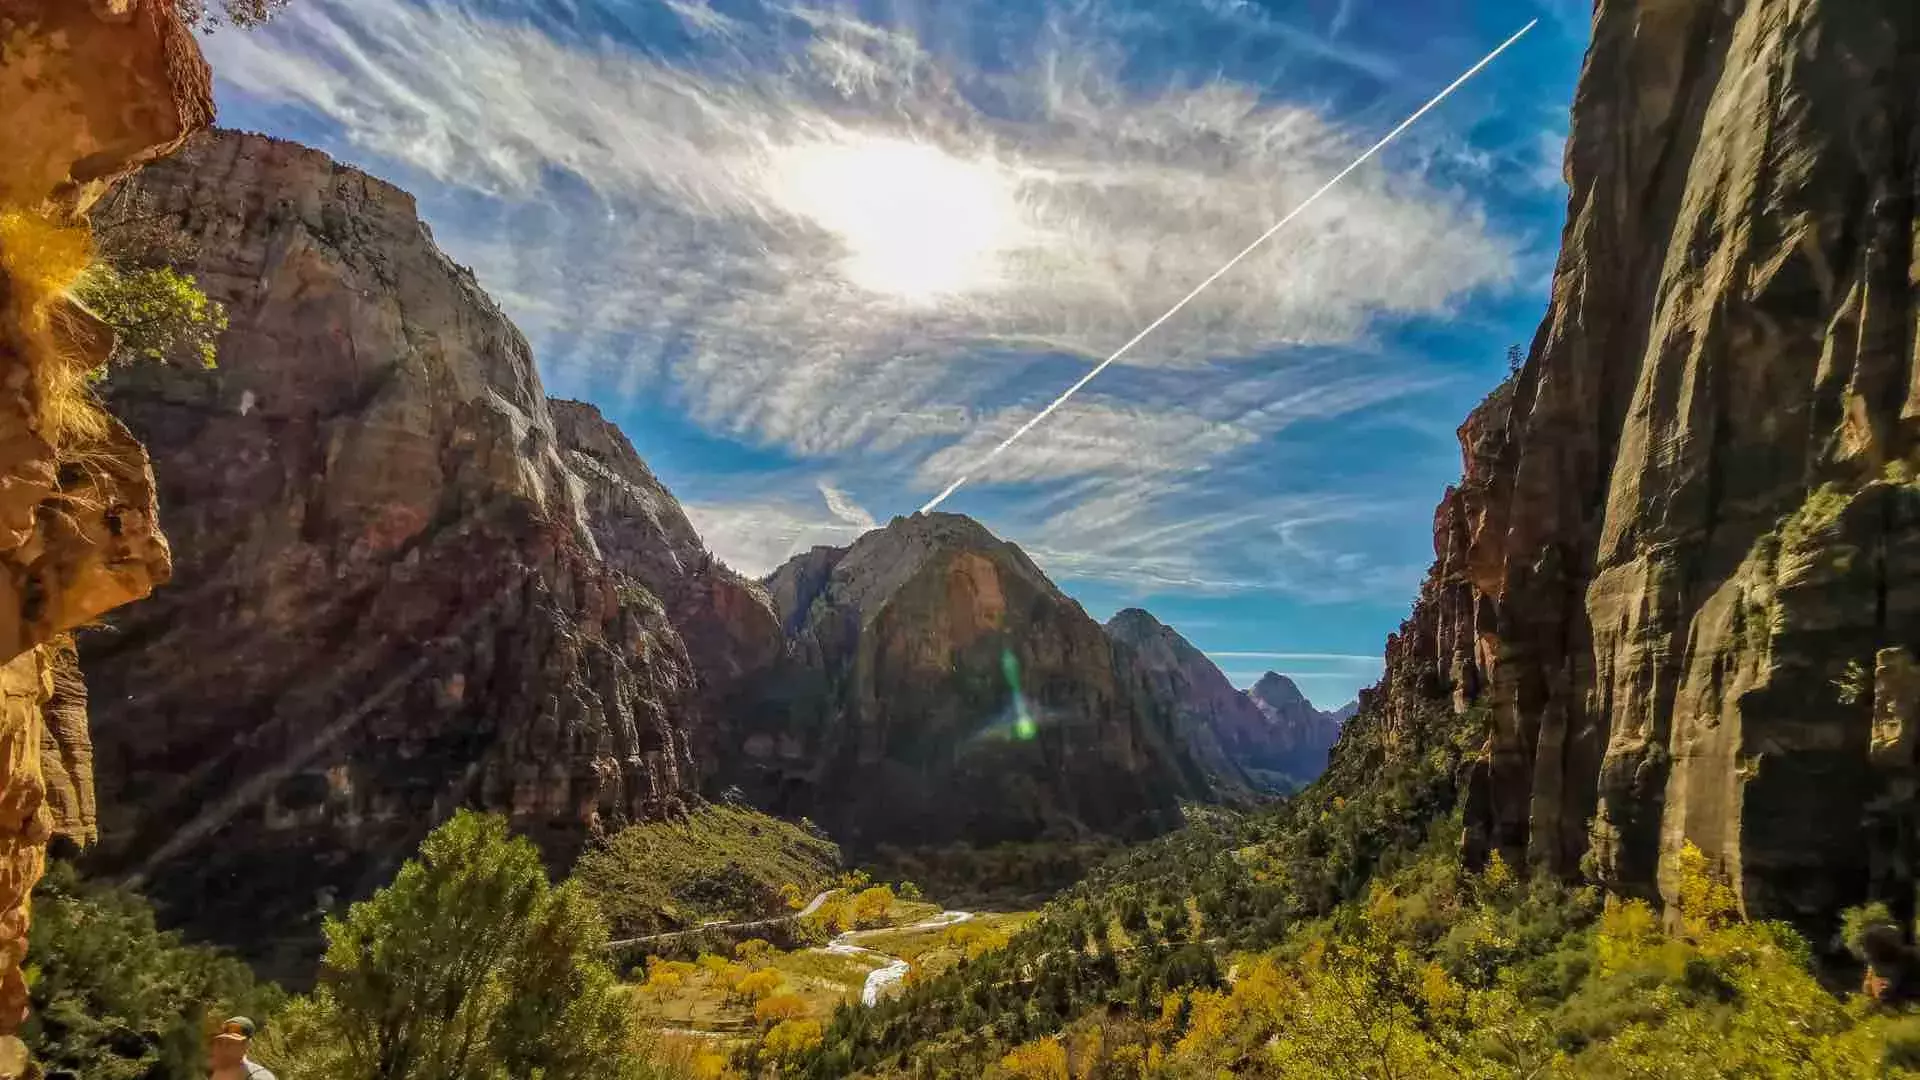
229,1053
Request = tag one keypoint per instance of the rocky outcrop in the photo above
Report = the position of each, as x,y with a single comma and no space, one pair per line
1269,738
90,90
406,582
726,621
93,90
1678,574
938,687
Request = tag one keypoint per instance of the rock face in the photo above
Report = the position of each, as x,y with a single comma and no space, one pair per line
1297,735
407,582
727,622
1220,725
1681,573
1270,738
91,90
939,687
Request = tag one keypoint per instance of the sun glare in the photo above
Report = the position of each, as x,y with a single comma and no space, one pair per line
917,223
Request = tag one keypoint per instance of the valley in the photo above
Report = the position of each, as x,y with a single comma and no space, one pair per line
358,684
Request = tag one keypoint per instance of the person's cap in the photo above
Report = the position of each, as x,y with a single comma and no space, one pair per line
238,1028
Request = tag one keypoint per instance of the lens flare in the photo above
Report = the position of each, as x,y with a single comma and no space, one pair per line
1024,728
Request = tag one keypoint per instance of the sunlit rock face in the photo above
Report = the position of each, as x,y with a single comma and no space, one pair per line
90,91
940,688
407,582
1680,570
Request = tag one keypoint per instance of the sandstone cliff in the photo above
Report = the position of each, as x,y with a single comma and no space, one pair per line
939,687
406,581
1679,573
91,90
1269,738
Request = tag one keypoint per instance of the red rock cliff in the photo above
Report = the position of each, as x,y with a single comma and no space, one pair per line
90,91
1680,571
406,581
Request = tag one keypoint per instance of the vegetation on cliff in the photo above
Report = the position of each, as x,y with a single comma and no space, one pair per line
1341,936
713,863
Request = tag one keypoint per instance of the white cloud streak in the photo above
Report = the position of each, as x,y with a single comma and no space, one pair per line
756,535
675,252
638,216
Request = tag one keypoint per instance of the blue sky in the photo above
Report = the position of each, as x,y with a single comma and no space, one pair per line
817,258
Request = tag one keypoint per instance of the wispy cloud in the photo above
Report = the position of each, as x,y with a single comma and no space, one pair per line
845,510
854,244
755,535
1085,438
680,250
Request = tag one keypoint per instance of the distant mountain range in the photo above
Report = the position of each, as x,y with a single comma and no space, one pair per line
1269,738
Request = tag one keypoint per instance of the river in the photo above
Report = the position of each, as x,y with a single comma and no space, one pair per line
892,969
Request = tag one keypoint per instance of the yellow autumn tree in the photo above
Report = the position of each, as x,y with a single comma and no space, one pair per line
1042,1059
778,1008
758,984
789,1039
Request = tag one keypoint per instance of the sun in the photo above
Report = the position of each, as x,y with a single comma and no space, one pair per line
918,224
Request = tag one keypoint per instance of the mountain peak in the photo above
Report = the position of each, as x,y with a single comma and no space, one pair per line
1136,625
864,574
1278,691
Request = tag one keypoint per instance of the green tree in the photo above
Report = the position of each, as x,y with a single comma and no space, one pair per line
468,967
156,314
113,997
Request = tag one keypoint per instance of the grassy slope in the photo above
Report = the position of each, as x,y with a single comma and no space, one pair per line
719,863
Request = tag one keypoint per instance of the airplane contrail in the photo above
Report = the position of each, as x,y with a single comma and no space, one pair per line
1231,263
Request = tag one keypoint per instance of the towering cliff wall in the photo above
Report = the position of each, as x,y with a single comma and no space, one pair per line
1681,573
406,581
91,90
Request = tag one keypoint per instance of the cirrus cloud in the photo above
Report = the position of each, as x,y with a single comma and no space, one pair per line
640,213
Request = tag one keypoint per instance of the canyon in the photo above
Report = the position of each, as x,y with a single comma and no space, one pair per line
407,581
1674,584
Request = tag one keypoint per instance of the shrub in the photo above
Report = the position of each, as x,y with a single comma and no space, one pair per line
113,997
43,260
758,984
470,966
790,1039
779,1008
